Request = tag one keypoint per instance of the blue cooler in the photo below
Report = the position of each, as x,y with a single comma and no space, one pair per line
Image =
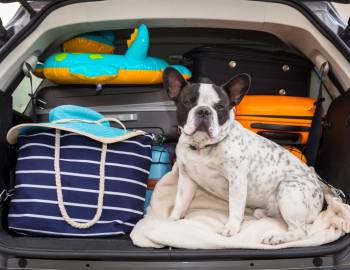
161,164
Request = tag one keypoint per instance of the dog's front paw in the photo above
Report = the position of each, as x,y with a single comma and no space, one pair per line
175,215
231,228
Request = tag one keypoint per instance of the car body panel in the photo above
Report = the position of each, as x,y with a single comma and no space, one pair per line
278,17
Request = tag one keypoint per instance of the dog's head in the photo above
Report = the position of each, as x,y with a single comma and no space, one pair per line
204,109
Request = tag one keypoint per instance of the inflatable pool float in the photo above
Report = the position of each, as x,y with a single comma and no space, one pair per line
39,71
134,67
95,42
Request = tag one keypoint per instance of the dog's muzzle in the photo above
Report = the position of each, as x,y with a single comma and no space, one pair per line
203,112
204,117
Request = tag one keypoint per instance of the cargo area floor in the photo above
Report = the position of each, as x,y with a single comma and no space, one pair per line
121,248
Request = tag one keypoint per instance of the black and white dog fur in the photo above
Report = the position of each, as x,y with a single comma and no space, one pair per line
216,153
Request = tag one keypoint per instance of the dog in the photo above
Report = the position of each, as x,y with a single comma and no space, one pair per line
218,154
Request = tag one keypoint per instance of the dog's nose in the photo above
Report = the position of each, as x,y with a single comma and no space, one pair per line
203,112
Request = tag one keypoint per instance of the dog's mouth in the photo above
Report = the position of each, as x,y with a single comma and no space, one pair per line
205,126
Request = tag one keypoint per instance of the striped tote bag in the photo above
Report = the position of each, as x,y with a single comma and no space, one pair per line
71,185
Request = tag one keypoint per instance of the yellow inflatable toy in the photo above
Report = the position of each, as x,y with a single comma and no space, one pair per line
96,42
135,67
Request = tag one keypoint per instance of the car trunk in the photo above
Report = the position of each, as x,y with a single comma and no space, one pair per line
171,45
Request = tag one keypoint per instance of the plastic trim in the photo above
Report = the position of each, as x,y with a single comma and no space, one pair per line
173,254
331,36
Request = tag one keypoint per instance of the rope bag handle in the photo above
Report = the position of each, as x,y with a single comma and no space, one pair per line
58,181
60,200
97,122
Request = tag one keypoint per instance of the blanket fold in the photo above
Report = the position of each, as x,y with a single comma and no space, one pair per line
207,215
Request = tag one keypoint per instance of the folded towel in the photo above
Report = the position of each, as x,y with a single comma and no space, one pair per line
207,215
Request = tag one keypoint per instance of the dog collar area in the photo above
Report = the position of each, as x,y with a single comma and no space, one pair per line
196,148
192,147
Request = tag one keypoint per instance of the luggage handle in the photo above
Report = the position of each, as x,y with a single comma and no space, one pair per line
279,127
58,181
127,117
282,137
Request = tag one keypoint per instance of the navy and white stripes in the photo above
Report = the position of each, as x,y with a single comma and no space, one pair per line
34,209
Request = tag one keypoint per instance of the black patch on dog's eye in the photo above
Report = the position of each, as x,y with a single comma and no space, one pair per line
219,106
222,107
188,99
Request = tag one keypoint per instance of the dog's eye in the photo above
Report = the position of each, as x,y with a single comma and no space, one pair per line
190,101
219,107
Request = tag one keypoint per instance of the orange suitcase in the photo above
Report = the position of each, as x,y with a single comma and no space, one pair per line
283,119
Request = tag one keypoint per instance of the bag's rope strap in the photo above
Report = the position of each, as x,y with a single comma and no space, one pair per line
97,122
60,200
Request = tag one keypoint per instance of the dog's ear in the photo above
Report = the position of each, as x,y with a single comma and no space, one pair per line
237,87
173,82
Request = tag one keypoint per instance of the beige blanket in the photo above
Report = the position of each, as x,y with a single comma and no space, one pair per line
208,214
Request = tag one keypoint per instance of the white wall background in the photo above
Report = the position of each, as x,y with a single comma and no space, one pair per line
344,11
20,96
7,11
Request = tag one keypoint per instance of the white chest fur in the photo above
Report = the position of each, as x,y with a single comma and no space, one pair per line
204,169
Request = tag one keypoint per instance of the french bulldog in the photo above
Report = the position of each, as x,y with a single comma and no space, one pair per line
218,154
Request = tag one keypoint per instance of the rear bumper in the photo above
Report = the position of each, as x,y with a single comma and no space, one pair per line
119,253
305,263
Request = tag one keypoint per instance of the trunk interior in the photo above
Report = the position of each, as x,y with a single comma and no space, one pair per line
169,44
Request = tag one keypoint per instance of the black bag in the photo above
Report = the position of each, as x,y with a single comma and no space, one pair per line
274,71
139,107
333,163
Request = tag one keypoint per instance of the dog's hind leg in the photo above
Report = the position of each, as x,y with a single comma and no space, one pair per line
269,210
298,205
